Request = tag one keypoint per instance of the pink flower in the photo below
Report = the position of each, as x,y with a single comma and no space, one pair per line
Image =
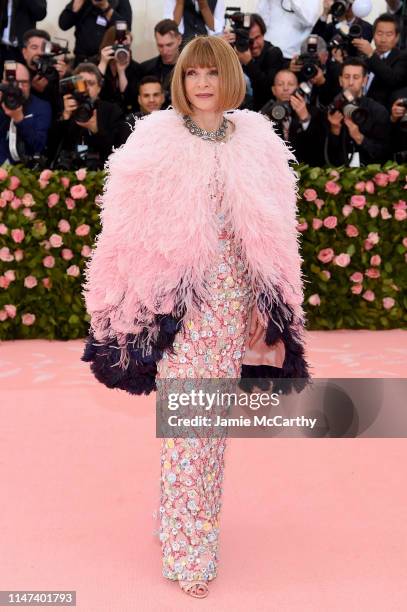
381,179
73,271
78,192
30,282
11,310
358,201
326,274
46,175
3,229
316,223
400,204
314,300
332,187
375,260
53,200
64,180
66,254
5,254
17,235
3,314
393,175
346,210
372,273
42,183
360,186
334,173
48,261
86,251
369,296
15,203
28,199
47,282
3,174
56,241
388,303
4,282
373,211
46,245
370,188
357,277
301,227
330,222
356,289
319,203
10,275
405,242
342,260
14,182
400,214
385,213
368,245
28,318
82,230
310,195
70,204
81,174
3,203
352,231
27,212
18,255
64,226
373,237
326,255
7,195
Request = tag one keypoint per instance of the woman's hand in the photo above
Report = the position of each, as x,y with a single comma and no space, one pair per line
70,104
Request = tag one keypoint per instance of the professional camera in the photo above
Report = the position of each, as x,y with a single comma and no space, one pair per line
239,24
12,97
343,40
338,9
76,87
45,63
121,51
281,110
348,105
73,160
310,60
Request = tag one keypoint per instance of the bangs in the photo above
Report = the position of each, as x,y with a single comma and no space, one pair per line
201,55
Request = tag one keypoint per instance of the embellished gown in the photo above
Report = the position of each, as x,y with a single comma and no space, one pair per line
211,346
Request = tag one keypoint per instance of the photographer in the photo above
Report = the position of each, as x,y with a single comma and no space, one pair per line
328,27
121,73
151,98
16,17
399,125
299,124
195,17
358,126
260,61
24,119
87,142
91,18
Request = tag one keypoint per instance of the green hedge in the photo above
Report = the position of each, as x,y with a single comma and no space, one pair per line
354,239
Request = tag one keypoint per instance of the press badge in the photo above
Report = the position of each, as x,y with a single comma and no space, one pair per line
101,21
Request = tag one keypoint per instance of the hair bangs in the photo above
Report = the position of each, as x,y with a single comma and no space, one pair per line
201,55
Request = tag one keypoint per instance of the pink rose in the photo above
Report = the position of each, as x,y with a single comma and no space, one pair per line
81,174
368,245
372,273
3,229
405,242
360,186
357,277
30,282
28,199
70,204
373,237
48,261
385,213
334,173
46,245
330,222
400,214
43,184
66,254
19,255
314,300
3,174
64,226
301,227
10,275
65,181
7,195
326,255
86,251
15,203
400,204
3,203
316,223
28,318
14,182
4,282
78,192
342,260
73,271
352,231
393,175
358,201
27,212
56,241
47,282
46,175
346,210
53,200
319,203
326,274
11,310
356,289
375,260
310,195
369,296
388,303
381,179
3,314
373,211
332,187
82,230
5,254
370,188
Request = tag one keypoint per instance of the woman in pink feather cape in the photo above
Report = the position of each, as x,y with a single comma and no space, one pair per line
197,274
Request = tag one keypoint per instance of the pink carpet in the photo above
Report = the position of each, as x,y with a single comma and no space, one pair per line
306,524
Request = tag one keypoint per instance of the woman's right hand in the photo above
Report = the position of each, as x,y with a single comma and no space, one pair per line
70,104
106,56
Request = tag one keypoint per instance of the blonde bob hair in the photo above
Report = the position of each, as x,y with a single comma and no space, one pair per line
208,52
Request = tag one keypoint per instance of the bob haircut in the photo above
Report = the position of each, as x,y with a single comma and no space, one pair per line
208,52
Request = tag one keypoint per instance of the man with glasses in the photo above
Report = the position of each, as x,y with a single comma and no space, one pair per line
24,129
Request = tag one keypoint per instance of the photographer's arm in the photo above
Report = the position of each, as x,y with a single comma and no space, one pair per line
71,14
122,12
178,9
36,8
207,14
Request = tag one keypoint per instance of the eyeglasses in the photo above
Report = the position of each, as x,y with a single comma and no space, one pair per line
90,82
23,82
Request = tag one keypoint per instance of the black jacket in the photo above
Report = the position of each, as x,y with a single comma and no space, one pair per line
375,147
261,72
328,30
88,33
390,74
110,90
25,14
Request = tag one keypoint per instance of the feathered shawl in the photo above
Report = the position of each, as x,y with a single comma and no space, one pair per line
146,274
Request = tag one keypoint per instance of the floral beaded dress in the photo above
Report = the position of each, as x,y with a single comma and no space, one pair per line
209,346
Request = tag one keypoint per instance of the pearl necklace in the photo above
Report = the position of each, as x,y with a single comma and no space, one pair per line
215,136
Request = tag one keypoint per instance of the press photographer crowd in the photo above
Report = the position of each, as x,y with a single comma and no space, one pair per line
334,84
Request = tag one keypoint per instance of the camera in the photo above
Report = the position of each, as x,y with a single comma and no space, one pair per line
348,105
73,160
239,23
76,87
281,110
121,51
403,120
45,62
310,60
339,8
12,97
343,40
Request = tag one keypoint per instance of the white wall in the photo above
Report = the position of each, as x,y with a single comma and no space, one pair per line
146,13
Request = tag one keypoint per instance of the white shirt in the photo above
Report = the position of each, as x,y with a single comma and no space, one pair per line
219,15
372,75
6,32
288,30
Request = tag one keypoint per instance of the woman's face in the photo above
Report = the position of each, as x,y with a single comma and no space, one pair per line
202,88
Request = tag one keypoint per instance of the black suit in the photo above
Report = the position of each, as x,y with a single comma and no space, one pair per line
390,74
156,67
328,30
261,72
24,16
